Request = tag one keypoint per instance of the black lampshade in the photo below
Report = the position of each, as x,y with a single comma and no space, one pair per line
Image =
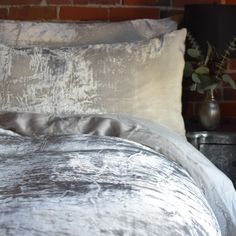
213,23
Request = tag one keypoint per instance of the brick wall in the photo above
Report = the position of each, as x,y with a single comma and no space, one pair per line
108,10
114,10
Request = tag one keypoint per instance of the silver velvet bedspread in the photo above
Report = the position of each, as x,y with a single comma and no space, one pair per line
65,176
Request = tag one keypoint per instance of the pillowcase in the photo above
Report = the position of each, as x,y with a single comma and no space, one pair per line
19,33
142,79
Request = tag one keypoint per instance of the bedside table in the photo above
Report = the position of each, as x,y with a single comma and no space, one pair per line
219,148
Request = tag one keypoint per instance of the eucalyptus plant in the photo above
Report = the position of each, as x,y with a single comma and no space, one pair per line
207,71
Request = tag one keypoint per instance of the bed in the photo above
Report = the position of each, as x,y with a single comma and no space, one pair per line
92,139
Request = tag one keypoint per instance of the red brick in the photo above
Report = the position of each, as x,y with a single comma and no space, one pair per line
83,13
171,12
229,94
3,13
32,13
117,14
147,2
228,124
98,2
181,3
19,2
232,64
233,75
228,109
58,2
229,1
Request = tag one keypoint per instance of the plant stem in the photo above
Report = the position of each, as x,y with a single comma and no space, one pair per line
221,65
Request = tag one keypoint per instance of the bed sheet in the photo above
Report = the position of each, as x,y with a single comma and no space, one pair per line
213,184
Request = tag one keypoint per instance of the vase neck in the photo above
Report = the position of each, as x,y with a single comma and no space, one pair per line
210,95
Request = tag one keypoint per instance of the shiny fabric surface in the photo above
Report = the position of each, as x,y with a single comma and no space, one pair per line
54,34
93,185
128,78
216,187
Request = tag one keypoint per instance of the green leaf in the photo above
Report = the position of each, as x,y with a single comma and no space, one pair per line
211,87
193,87
196,78
227,53
200,91
205,78
193,52
207,83
202,70
209,52
229,80
232,48
200,59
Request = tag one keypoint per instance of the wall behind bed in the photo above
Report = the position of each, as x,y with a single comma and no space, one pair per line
115,10
106,10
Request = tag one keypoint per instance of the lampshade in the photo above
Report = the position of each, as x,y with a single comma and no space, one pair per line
213,23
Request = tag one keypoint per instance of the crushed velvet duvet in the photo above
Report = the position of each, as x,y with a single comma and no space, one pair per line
107,175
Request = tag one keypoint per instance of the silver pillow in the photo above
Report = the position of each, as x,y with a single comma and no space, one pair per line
142,79
20,33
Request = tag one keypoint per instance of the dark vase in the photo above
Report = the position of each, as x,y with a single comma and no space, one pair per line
209,112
